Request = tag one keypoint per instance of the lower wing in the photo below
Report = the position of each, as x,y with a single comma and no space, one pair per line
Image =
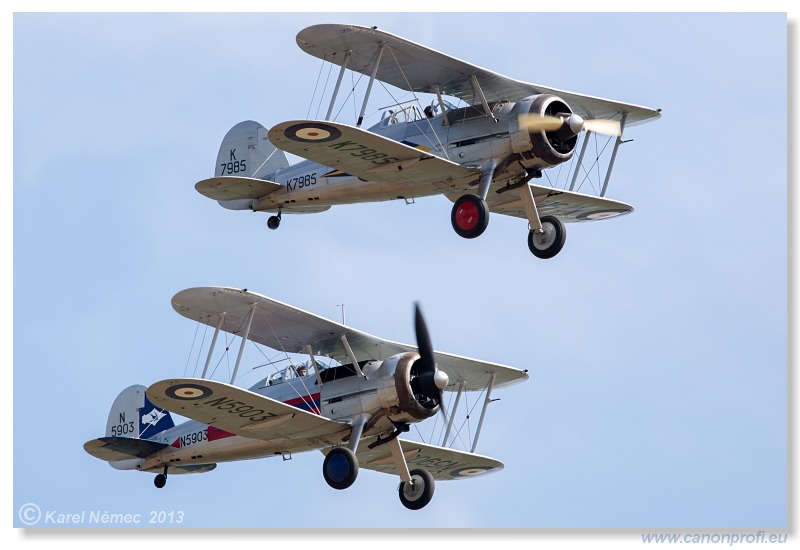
568,206
442,463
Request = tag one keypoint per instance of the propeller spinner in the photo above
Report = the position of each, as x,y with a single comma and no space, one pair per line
575,123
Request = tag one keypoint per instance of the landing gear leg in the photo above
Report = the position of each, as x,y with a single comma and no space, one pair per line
547,235
161,479
416,487
340,467
470,214
274,221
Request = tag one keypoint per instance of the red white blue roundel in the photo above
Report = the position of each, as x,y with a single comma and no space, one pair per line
312,132
188,392
600,214
474,471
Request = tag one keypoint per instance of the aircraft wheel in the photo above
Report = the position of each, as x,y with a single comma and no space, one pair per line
549,243
340,468
160,481
416,496
470,216
273,222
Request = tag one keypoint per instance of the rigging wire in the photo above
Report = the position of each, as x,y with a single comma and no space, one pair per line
197,328
316,85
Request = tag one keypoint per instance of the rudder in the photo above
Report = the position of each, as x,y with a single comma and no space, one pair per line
246,151
133,415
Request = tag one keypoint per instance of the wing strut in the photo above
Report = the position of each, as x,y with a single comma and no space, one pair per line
483,411
461,385
371,81
314,362
347,56
351,355
441,104
614,154
244,341
213,343
479,92
580,159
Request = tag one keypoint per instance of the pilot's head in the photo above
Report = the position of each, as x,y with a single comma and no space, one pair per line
301,370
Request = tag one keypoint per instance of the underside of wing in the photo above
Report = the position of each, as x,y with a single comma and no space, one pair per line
443,464
239,411
367,155
413,67
284,327
568,206
227,188
122,448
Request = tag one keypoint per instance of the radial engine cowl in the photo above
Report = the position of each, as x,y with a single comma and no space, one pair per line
555,146
411,400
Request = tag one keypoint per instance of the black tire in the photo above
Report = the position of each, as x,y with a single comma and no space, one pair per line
548,245
160,481
340,468
273,222
470,216
421,494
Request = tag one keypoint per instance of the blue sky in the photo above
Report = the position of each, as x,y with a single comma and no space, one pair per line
656,343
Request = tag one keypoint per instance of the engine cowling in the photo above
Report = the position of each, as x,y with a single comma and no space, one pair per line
555,146
411,400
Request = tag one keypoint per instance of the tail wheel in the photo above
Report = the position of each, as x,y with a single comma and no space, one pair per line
273,222
419,492
470,216
160,481
340,468
550,242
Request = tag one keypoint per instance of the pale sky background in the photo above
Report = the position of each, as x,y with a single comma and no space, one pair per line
656,342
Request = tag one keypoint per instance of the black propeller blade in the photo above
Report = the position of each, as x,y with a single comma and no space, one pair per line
432,381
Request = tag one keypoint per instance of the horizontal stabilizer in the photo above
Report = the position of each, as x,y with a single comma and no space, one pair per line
442,463
228,188
122,448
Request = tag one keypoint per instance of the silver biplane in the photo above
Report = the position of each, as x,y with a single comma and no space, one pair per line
352,410
482,156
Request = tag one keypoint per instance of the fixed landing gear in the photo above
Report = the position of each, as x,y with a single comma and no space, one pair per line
550,240
470,216
419,492
340,468
161,479
274,221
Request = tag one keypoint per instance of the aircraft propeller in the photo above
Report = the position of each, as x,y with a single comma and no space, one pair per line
575,123
432,381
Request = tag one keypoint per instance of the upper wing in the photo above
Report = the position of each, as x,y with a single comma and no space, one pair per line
283,327
442,463
417,68
240,411
366,155
566,205
226,188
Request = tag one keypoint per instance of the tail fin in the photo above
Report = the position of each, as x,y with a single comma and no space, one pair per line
246,151
133,415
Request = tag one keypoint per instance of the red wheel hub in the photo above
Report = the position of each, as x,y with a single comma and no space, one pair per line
467,216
